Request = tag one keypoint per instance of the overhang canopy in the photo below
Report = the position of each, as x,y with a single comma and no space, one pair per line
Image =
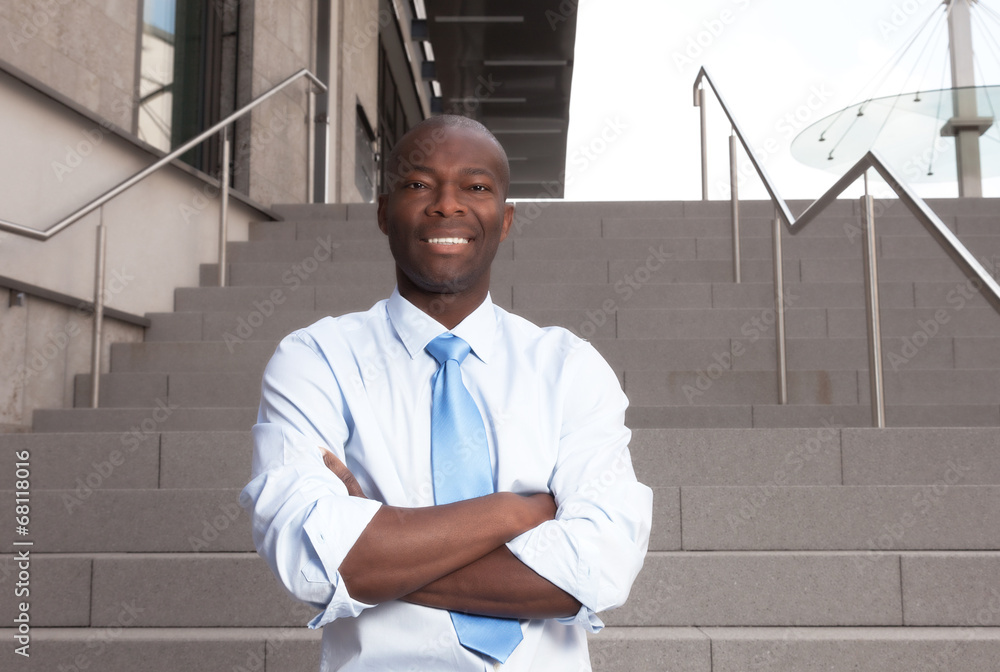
510,66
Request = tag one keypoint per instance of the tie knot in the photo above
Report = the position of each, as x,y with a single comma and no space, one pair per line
448,346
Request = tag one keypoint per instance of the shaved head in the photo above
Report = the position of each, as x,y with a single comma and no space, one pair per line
410,150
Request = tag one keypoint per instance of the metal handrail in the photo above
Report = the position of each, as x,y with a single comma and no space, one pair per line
99,262
938,230
146,172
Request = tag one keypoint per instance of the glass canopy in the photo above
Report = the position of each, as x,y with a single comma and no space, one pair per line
905,129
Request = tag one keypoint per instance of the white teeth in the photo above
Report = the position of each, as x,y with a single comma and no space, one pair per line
448,241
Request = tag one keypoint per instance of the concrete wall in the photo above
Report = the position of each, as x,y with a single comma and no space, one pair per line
43,345
283,43
357,44
84,49
159,232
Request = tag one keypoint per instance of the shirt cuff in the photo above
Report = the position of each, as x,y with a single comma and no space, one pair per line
341,605
323,567
568,562
586,619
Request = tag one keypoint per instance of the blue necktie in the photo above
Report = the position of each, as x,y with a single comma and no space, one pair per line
460,463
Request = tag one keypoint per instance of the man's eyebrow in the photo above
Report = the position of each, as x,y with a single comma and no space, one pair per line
479,171
412,168
471,171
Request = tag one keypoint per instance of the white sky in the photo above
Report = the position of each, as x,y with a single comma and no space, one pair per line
636,61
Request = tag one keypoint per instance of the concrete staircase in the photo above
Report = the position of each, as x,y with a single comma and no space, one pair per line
785,538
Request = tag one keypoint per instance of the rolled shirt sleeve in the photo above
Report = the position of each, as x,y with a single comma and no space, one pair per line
595,547
303,520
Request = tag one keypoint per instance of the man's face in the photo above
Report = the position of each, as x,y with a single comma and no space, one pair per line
446,214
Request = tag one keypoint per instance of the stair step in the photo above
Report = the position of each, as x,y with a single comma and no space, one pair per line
886,649
918,325
199,356
382,274
651,386
722,588
162,418
112,460
614,649
86,520
804,415
771,517
945,516
91,459
322,249
118,649
824,456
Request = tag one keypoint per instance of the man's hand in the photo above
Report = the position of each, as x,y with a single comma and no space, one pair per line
343,473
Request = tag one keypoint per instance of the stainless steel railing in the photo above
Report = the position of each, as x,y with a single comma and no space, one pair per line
99,264
955,249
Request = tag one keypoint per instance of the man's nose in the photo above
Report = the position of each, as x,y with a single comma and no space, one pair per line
447,202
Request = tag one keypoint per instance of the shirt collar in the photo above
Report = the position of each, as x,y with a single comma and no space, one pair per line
416,328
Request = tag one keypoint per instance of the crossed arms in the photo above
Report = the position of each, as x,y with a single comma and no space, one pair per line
453,555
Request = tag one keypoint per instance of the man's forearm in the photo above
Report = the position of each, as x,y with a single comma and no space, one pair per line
402,550
497,585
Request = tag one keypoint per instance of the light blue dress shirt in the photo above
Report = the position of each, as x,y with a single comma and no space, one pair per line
359,384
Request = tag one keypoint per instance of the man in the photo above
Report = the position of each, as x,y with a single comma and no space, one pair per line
562,526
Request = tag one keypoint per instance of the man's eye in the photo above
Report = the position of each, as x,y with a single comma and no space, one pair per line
479,187
415,185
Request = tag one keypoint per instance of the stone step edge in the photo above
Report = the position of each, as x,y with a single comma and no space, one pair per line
243,555
181,635
797,633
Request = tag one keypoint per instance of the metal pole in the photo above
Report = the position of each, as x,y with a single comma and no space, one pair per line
311,148
734,190
779,308
223,207
872,312
965,124
704,143
95,352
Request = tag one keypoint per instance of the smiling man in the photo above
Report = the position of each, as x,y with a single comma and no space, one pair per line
447,483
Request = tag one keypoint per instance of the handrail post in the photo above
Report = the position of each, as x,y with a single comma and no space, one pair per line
779,310
872,311
95,352
734,191
223,206
700,102
311,146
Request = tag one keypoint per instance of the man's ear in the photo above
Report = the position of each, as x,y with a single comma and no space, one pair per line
382,204
508,219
